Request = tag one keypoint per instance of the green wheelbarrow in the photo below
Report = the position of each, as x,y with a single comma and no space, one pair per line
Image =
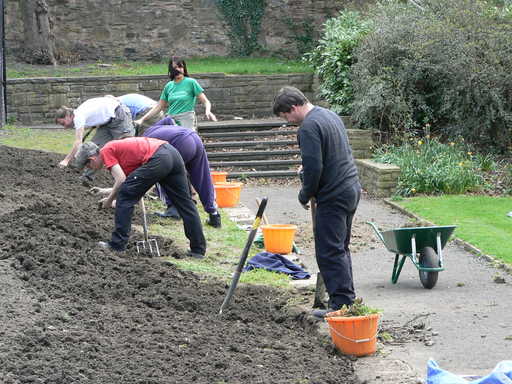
423,245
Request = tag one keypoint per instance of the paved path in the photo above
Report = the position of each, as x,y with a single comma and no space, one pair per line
467,316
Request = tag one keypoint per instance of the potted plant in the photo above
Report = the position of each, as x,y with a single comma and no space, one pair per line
354,328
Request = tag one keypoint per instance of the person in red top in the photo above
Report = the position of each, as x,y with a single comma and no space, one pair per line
136,164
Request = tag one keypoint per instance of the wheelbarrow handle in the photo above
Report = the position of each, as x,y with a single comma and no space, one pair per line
376,229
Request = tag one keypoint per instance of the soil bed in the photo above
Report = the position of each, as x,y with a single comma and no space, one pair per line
72,313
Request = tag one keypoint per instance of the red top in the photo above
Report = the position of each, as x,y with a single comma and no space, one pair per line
129,153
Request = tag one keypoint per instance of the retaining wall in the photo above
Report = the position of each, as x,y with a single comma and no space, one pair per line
379,180
34,101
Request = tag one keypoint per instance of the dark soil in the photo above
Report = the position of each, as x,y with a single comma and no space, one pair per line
72,313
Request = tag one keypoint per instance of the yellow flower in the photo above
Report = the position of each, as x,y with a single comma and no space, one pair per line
413,190
470,153
420,142
452,144
461,164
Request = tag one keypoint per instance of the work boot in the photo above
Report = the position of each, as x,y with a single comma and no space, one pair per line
214,220
320,313
195,255
171,212
106,246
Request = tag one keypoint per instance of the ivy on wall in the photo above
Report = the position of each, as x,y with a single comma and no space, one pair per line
244,20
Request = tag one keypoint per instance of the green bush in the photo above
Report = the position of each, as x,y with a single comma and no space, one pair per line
446,63
333,57
430,167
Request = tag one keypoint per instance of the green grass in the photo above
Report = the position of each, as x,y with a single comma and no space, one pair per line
224,246
480,220
195,65
51,140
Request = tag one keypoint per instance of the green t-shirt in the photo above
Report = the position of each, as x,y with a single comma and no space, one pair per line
181,96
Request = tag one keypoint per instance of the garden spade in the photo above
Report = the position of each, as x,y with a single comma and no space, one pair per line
147,245
243,257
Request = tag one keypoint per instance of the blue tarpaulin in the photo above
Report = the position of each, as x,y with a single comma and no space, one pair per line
276,263
502,374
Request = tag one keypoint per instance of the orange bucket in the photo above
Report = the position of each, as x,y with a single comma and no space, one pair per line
278,238
354,335
218,177
227,194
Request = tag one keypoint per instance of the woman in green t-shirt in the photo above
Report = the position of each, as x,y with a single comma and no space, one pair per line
179,97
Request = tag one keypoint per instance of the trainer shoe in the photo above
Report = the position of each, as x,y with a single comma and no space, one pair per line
171,212
106,246
214,220
195,255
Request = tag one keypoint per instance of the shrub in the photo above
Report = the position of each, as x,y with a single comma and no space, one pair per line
446,63
430,167
333,57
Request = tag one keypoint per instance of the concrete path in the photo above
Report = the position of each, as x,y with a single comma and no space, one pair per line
466,317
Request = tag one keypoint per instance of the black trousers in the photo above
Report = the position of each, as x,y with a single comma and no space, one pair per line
332,240
167,168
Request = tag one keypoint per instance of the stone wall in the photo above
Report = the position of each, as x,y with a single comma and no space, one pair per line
379,180
153,29
34,101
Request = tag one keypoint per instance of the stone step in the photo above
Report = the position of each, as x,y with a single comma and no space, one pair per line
282,173
252,155
246,144
239,125
254,165
248,134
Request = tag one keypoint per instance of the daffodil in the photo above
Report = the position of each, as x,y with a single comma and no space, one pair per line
420,142
413,190
452,143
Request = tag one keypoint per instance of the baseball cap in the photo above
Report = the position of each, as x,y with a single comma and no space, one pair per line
85,151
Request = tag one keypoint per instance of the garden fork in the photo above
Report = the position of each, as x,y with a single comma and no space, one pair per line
147,245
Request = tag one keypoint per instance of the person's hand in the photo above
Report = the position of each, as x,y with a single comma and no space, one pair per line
211,116
64,163
99,191
104,203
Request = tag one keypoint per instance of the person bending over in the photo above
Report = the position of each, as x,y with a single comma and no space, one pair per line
191,148
111,119
136,164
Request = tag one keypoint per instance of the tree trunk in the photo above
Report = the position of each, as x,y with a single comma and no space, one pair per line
39,41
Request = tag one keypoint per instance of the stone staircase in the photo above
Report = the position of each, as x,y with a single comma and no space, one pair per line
263,148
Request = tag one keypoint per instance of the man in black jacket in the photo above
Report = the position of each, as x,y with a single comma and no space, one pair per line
330,176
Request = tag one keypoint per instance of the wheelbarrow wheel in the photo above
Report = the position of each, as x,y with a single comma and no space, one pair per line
428,259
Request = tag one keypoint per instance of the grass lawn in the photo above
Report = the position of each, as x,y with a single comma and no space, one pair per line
480,220
265,65
224,245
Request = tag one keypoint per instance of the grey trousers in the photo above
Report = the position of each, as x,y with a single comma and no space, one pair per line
118,127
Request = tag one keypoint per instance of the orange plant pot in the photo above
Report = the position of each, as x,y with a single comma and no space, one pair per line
354,335
218,177
278,238
227,195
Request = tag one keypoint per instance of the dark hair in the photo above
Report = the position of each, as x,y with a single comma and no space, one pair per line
179,62
286,98
62,112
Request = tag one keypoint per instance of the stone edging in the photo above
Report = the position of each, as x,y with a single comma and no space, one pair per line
462,243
